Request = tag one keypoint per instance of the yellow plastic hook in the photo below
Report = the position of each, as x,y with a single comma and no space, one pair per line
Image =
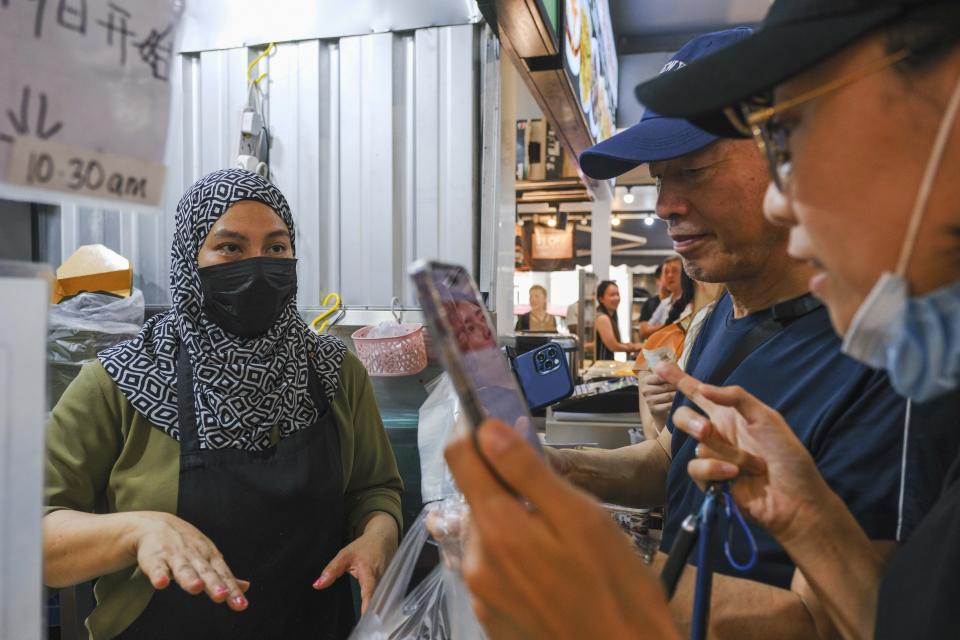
330,299
250,67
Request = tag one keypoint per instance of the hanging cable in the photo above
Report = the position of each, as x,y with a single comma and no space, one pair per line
254,151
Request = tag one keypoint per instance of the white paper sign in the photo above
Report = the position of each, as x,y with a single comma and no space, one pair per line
85,87
49,165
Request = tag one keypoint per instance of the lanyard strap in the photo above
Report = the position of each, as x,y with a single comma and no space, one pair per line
718,496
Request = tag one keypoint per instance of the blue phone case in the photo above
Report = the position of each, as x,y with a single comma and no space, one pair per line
544,375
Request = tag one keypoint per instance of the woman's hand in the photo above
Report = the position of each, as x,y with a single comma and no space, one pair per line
366,558
659,394
558,569
166,546
777,482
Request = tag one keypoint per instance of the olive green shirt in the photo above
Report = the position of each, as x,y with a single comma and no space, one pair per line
105,457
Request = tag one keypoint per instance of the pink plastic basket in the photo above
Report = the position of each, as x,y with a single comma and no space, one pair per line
402,355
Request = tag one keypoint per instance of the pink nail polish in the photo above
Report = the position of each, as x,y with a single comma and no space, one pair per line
318,583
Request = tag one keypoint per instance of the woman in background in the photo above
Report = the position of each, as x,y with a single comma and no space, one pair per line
607,324
537,319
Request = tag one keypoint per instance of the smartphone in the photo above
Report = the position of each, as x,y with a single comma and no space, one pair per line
544,375
467,341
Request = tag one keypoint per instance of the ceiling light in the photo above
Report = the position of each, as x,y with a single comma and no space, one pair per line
628,198
552,221
615,221
648,221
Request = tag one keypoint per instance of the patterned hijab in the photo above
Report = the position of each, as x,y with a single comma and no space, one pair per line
242,387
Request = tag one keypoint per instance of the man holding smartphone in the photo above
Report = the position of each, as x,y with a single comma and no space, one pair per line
770,336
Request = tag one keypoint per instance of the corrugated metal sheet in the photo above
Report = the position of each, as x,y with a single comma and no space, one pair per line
223,24
375,145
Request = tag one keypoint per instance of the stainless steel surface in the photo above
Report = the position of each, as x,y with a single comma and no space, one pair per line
225,24
491,162
504,216
606,435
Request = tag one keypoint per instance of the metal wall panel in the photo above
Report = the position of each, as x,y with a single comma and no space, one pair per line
375,143
447,131
295,153
367,252
225,24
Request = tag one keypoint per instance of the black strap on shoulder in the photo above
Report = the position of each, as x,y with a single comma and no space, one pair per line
186,414
781,315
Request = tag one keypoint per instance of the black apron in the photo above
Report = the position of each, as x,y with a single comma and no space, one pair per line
277,516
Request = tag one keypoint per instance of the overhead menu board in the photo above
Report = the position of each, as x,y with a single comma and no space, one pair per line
85,96
590,60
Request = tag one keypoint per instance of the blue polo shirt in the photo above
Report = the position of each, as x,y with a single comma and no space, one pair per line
850,419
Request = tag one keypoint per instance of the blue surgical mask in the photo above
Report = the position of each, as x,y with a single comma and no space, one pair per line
916,339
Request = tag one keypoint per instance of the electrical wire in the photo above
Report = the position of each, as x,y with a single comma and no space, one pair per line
255,99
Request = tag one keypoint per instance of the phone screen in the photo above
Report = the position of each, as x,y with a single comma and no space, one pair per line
468,344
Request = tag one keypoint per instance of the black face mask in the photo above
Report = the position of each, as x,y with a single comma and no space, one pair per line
246,297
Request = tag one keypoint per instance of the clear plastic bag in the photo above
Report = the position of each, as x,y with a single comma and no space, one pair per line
447,522
81,327
438,608
439,418
387,329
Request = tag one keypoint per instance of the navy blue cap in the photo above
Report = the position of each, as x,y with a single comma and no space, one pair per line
658,137
795,36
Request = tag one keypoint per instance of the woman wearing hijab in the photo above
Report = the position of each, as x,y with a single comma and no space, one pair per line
859,119
226,448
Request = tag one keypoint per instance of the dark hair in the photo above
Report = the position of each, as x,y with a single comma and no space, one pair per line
687,289
658,271
603,286
601,289
929,31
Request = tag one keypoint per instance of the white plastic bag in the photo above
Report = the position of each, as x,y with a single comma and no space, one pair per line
387,329
440,416
448,522
436,609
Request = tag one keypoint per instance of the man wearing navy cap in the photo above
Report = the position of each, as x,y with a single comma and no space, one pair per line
767,334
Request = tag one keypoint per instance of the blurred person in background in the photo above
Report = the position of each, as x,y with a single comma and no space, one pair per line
537,319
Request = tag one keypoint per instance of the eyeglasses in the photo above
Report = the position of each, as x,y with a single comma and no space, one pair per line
772,137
